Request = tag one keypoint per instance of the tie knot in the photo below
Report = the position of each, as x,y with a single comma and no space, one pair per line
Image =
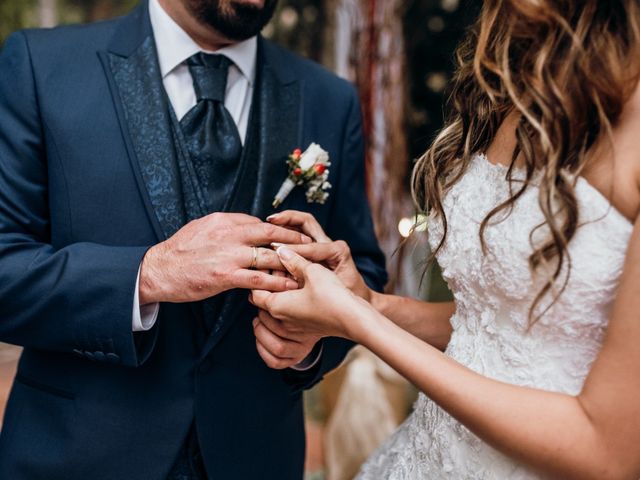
209,73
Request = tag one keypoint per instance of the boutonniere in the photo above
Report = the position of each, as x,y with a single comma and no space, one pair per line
309,168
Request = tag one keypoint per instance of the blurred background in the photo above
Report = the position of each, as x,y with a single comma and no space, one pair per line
399,54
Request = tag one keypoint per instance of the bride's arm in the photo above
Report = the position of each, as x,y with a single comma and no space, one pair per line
595,434
426,320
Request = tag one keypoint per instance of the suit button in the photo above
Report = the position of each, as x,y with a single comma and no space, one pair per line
113,358
206,365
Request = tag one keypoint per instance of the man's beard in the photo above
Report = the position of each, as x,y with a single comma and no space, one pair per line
236,21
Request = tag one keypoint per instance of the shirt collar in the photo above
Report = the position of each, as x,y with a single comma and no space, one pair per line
175,46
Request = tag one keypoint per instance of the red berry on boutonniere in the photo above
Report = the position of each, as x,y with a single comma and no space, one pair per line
309,169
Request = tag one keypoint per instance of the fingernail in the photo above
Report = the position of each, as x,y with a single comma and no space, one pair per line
276,245
255,322
291,285
285,253
306,239
272,217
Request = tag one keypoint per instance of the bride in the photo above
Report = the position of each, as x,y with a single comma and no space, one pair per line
533,191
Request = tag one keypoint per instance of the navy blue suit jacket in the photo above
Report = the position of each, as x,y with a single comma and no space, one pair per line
91,399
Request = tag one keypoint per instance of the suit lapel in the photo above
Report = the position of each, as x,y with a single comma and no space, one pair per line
131,66
278,109
281,105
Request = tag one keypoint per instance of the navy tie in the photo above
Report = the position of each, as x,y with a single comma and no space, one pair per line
211,135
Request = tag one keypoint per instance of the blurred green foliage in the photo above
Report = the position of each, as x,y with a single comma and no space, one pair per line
18,14
15,14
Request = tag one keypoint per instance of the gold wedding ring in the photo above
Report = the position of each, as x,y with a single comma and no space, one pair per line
254,260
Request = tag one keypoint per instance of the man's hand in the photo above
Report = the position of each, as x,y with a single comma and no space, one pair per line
278,347
214,254
334,255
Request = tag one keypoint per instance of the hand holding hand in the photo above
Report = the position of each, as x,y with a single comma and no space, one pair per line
334,255
322,307
278,347
213,254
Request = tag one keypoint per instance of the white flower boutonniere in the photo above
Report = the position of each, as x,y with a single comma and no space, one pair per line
311,169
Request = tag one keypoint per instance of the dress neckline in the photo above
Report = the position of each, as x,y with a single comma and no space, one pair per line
580,180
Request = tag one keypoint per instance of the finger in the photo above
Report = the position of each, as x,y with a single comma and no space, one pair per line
278,327
315,252
261,299
235,218
272,361
265,259
302,220
265,234
254,280
281,348
282,273
294,263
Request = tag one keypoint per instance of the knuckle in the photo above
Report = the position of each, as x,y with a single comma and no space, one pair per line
342,247
220,277
223,231
279,349
216,217
269,230
255,280
275,363
274,308
219,274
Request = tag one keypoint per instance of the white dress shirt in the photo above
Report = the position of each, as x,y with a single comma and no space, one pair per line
174,47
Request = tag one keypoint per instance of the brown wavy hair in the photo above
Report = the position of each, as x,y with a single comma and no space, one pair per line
565,68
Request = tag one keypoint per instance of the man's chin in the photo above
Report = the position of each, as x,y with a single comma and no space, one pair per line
235,20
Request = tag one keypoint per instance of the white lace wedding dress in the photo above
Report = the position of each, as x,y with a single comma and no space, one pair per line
493,294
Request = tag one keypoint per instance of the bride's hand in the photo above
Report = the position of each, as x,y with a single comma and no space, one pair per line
323,306
334,255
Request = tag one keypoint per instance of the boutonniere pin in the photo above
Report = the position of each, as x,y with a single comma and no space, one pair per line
309,168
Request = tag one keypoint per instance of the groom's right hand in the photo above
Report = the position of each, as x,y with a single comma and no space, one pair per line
213,254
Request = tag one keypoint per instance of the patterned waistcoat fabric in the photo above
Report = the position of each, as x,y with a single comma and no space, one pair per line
194,204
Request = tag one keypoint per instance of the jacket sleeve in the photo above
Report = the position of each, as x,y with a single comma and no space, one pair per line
350,220
77,299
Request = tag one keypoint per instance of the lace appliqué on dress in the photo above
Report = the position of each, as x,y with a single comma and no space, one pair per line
493,294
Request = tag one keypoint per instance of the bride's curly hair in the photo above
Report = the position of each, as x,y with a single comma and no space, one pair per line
565,68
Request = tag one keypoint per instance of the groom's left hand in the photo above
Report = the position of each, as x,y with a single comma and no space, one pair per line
279,347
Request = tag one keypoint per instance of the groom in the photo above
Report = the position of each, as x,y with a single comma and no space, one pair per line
137,157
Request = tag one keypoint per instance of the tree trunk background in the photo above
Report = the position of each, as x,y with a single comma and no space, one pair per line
369,51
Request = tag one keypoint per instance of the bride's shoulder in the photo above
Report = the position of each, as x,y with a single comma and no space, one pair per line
628,141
